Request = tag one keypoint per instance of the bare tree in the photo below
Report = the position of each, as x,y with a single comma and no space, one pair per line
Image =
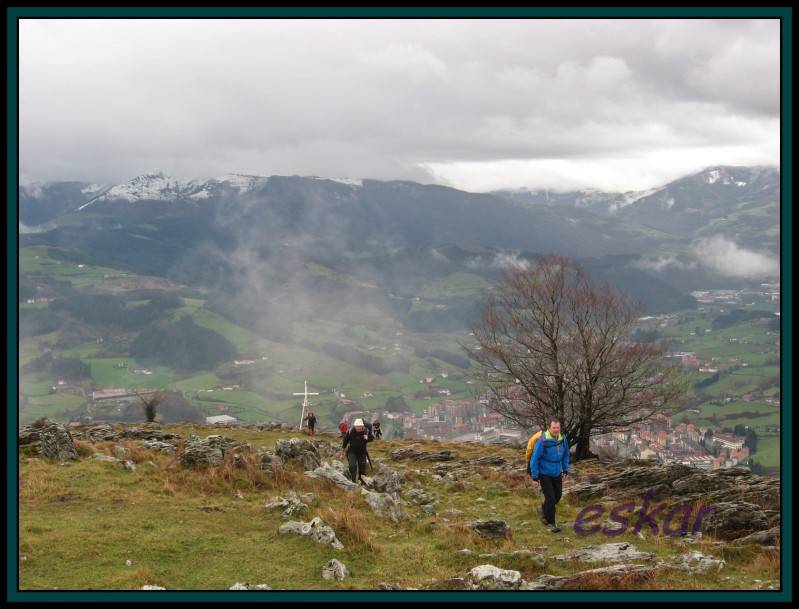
550,343
150,404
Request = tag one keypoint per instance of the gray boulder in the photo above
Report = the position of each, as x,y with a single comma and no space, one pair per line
300,451
163,447
733,519
335,569
244,586
695,562
489,577
316,529
48,439
490,529
290,504
526,555
382,503
608,552
325,470
767,537
100,433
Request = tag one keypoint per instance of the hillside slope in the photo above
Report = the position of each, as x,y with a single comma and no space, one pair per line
151,518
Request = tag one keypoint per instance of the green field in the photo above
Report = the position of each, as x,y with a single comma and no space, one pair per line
34,260
106,374
50,406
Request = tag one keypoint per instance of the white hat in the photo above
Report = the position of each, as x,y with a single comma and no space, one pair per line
358,423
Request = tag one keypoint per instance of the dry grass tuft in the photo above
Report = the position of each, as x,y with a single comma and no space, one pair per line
350,524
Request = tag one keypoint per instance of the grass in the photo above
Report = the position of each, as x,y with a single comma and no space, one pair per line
188,529
106,374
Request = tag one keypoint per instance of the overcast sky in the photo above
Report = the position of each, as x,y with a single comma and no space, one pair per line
476,104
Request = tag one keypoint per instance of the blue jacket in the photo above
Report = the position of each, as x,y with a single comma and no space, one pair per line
550,457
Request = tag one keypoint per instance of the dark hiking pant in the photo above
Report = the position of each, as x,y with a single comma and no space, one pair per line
552,487
311,430
357,463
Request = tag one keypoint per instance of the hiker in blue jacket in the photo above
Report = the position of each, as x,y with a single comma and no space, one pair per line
549,467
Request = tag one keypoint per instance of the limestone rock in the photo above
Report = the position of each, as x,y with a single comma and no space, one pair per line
489,577
245,586
769,536
163,447
734,519
210,451
411,452
326,470
290,504
48,439
696,562
387,480
527,555
608,552
382,503
335,569
300,451
491,529
315,529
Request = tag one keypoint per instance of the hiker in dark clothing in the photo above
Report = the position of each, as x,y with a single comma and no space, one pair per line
376,430
311,418
355,449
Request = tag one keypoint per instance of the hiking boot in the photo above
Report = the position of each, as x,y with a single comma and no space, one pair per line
553,528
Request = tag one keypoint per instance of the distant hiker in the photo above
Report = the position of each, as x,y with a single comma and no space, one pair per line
311,418
376,429
354,449
342,427
549,467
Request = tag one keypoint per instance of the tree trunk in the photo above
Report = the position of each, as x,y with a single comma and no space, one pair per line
582,448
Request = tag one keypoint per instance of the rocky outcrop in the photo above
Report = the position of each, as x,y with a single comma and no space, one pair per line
163,447
611,575
490,529
387,480
767,537
326,470
316,529
48,439
100,433
695,562
525,555
295,450
336,570
411,452
739,502
124,464
290,504
208,451
608,552
244,586
733,519
383,503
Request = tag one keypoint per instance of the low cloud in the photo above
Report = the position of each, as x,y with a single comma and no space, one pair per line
502,260
727,258
663,263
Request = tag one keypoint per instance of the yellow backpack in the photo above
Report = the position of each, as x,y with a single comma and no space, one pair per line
531,447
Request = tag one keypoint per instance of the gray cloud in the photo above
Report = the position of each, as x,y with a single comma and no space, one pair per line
727,258
476,103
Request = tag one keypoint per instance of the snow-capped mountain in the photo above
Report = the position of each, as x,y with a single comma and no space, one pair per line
161,187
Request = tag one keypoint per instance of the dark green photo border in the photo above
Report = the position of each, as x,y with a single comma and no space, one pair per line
784,14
